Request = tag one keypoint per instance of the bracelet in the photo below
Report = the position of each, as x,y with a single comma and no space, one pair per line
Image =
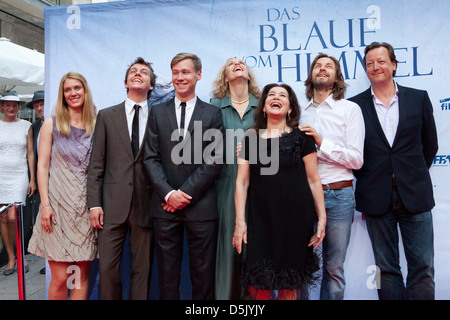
47,205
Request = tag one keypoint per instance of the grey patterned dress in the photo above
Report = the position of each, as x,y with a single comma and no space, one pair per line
73,238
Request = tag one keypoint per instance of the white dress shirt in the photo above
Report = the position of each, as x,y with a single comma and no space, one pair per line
143,116
189,110
188,115
340,123
388,116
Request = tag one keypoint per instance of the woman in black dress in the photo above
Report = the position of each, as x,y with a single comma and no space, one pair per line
278,169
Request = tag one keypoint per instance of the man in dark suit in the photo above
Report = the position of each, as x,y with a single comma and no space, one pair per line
37,104
119,191
182,165
393,187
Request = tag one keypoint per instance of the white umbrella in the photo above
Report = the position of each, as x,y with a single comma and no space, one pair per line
21,69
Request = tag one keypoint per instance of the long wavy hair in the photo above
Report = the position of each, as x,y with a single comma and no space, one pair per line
221,88
292,118
62,114
339,86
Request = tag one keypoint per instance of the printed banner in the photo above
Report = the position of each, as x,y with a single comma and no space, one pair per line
278,40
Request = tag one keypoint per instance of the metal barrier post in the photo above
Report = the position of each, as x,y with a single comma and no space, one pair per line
20,251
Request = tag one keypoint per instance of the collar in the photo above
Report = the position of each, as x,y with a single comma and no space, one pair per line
373,94
129,105
328,101
225,102
189,104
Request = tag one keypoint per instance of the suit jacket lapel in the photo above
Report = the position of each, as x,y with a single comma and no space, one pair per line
171,116
372,113
120,122
402,110
196,115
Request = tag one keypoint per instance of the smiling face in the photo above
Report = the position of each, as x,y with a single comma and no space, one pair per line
236,68
379,67
74,93
10,109
184,79
277,103
324,74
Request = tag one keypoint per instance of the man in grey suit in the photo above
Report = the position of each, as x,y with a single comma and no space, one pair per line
394,188
119,191
182,165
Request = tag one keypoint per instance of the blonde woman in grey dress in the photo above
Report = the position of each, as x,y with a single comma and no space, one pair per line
63,234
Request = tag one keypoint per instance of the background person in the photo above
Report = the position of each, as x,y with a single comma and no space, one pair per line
236,93
16,159
63,234
36,104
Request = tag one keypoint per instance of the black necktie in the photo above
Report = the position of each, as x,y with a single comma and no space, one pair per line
135,131
183,115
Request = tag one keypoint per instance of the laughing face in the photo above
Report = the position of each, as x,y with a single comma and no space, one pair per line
236,68
139,78
277,103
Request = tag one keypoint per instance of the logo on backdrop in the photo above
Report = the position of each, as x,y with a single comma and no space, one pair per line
441,160
445,104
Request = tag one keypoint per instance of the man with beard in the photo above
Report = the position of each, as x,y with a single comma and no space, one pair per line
337,126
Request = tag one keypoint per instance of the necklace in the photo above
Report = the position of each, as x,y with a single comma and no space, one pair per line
241,102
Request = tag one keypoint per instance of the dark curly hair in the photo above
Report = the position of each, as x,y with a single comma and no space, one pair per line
292,119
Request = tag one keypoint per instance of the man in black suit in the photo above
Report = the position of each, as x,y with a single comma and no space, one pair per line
182,165
36,104
393,186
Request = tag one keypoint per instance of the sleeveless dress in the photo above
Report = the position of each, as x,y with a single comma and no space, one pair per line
73,238
281,219
13,161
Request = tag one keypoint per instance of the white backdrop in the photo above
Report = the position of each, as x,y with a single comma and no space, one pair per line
278,40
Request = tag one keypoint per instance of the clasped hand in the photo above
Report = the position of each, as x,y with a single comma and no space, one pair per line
177,201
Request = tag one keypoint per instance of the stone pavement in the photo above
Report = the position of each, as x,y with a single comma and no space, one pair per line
34,281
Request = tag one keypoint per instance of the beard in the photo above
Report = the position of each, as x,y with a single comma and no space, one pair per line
323,83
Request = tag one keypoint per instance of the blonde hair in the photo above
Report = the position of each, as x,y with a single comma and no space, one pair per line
62,114
221,88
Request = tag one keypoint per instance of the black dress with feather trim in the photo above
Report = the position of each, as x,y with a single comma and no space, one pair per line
281,217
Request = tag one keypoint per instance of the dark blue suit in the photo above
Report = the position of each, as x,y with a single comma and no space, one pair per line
411,155
394,190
